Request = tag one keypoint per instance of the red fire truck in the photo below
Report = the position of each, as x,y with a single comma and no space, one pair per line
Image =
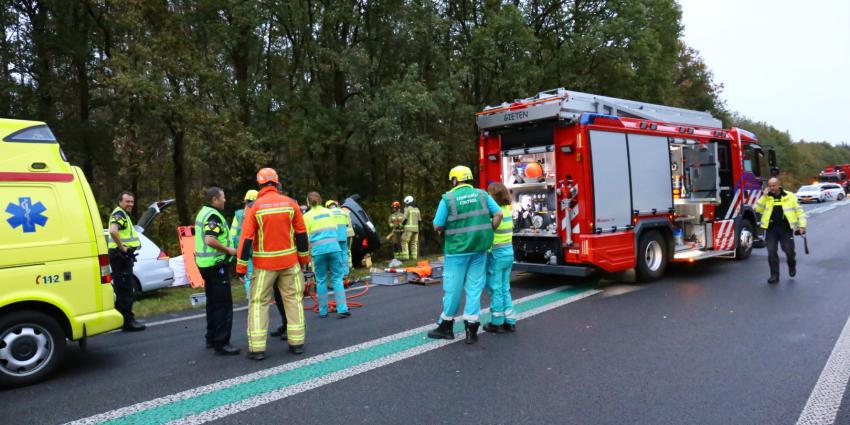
624,184
838,174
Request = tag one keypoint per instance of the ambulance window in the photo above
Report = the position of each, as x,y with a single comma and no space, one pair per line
37,134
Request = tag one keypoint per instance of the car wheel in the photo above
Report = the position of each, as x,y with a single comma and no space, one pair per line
745,241
32,345
651,257
137,288
840,196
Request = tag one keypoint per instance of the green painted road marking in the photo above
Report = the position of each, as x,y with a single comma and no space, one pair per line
195,403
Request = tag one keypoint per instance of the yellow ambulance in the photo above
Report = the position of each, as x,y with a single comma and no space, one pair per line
55,282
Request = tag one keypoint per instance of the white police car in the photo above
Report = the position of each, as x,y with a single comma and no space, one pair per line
820,192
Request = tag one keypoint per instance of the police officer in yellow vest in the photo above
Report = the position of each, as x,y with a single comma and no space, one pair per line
468,216
213,251
123,243
410,236
781,215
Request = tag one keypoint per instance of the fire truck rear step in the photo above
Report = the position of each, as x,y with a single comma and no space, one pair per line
692,255
563,270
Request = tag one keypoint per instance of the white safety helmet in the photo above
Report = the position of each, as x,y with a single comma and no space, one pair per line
408,200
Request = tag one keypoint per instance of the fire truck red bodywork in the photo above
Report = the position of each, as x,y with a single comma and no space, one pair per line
584,240
838,174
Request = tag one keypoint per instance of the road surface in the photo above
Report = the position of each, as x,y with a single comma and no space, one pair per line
711,343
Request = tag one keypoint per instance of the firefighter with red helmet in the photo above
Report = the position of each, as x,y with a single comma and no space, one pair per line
410,237
274,237
396,222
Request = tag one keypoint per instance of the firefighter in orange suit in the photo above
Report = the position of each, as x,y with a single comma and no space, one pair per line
275,238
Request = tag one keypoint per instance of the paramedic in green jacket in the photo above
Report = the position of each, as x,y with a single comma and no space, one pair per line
467,216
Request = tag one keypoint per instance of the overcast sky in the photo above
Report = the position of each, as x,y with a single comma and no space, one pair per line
783,62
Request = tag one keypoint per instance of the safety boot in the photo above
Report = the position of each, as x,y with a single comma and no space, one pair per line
792,271
296,349
509,327
490,327
257,355
471,331
445,330
227,350
773,279
132,326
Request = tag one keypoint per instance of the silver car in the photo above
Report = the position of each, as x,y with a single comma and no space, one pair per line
151,271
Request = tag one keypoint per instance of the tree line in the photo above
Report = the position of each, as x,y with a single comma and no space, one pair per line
165,97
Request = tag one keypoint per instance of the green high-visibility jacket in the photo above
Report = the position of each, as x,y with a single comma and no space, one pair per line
468,226
126,231
205,255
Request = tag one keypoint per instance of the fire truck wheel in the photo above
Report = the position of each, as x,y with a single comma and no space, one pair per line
745,241
651,256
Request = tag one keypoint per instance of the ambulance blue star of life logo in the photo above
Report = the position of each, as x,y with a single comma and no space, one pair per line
26,215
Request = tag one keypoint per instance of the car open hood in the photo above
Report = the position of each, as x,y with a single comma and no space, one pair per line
153,210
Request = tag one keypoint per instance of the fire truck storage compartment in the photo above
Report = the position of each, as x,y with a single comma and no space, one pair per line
695,171
534,200
692,232
630,173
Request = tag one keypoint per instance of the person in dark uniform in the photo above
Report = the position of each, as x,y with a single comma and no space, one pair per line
781,216
123,243
213,251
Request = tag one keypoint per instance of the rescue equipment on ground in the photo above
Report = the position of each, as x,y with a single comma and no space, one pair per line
310,291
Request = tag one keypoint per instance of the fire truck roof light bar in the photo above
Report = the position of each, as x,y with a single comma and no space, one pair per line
566,105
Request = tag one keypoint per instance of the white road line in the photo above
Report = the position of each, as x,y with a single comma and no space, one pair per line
183,319
244,307
823,404
138,407
243,405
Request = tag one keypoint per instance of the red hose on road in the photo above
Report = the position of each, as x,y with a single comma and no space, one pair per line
310,290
